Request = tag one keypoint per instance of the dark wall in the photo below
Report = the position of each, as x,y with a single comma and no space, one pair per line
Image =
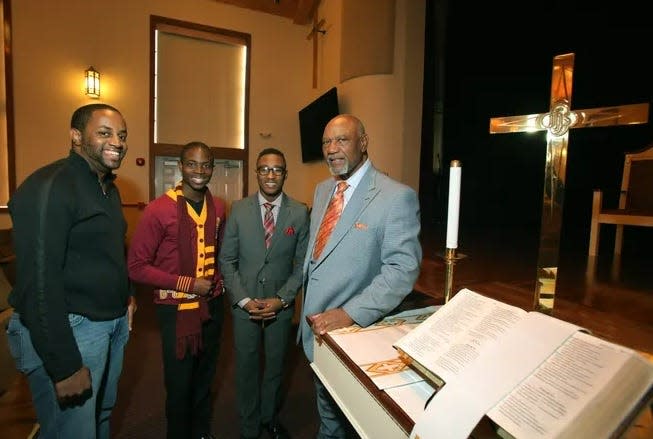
498,62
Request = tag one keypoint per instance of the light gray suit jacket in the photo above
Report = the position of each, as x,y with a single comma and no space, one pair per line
372,258
251,270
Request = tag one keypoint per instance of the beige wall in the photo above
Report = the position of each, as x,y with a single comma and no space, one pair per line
54,42
390,105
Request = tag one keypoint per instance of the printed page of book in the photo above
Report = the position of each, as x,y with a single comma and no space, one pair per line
412,397
453,337
461,403
371,347
584,389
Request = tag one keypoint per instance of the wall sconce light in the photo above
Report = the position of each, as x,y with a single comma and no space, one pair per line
92,78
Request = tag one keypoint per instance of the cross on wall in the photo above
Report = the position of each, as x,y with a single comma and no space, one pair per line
317,29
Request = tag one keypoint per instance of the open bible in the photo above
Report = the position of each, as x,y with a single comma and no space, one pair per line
533,375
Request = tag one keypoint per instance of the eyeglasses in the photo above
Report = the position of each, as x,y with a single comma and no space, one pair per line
265,170
207,166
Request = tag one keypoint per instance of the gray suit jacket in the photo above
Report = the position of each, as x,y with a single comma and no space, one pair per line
251,270
372,258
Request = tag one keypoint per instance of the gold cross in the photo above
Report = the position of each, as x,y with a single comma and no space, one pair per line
557,122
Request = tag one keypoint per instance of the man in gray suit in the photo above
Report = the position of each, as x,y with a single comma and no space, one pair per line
372,257
262,269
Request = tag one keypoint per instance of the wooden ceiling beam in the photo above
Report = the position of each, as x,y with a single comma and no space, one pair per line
300,11
283,8
305,11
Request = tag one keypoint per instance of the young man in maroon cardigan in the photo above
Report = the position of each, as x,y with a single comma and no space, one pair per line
174,249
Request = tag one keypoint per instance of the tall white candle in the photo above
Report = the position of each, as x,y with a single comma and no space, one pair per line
454,204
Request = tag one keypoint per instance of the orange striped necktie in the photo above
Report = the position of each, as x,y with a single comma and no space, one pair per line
331,217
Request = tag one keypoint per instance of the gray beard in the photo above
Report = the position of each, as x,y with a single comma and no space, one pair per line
343,171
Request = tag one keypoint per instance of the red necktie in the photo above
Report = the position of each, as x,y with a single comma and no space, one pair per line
268,224
331,217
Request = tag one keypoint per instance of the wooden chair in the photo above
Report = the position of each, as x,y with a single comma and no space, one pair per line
635,201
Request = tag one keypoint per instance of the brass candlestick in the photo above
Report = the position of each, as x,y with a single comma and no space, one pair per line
450,257
449,262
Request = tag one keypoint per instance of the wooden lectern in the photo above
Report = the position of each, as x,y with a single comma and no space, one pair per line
392,413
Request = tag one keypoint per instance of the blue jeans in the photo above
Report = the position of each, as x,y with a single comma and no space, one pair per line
101,344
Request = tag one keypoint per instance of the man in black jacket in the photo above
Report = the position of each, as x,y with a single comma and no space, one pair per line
71,297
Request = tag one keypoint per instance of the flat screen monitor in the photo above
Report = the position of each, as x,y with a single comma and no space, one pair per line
312,120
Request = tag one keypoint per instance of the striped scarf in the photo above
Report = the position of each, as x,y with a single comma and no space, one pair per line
191,313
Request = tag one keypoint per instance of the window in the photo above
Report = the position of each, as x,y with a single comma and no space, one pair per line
200,92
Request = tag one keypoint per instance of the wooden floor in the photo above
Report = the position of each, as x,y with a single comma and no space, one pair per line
615,301
613,297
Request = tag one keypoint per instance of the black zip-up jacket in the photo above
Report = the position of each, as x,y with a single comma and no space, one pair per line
69,238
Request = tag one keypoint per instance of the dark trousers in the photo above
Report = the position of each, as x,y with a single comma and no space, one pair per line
188,381
259,395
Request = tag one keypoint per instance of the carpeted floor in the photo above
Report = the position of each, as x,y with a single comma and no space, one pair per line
140,410
140,414
507,256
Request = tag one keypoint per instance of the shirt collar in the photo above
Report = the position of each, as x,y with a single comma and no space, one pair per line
358,175
81,162
262,200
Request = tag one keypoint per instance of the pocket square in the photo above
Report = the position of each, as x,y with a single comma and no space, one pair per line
360,226
290,231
